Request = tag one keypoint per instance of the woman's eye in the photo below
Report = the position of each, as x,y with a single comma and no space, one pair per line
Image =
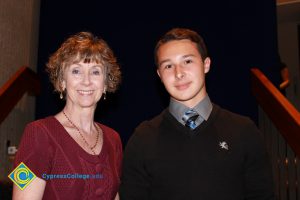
75,71
96,72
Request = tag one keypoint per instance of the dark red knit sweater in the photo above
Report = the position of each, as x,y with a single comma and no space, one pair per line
47,149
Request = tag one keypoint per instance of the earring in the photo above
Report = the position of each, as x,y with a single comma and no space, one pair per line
63,87
104,93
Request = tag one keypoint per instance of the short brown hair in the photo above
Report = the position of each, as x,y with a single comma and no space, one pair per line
181,34
86,47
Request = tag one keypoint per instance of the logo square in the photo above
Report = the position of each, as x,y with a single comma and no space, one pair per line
22,176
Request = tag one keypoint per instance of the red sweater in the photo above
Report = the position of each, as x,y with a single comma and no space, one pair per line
47,149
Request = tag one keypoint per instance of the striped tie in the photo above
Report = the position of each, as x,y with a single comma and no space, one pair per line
189,118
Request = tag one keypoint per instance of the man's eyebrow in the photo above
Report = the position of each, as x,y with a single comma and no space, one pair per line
163,61
188,55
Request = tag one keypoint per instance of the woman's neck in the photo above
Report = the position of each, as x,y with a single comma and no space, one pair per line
83,118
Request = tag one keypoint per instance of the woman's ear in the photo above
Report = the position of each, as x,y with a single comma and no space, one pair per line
63,85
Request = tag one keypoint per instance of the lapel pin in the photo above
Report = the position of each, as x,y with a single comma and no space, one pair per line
223,145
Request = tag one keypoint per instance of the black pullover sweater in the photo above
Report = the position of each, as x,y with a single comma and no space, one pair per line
222,159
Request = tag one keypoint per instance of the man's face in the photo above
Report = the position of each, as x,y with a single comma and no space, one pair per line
182,71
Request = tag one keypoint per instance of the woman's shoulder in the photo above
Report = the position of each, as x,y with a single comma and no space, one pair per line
43,125
43,121
109,132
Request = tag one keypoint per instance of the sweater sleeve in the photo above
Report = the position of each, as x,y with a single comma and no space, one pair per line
258,172
134,181
34,149
119,152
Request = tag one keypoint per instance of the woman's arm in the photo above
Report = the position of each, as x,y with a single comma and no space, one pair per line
34,191
117,197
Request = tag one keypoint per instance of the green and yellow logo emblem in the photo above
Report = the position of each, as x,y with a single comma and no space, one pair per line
22,176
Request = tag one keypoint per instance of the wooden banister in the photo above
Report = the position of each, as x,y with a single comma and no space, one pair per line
24,80
283,114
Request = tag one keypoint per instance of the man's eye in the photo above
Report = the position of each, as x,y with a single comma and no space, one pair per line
168,66
188,61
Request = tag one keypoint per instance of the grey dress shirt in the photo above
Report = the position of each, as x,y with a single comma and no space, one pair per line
203,108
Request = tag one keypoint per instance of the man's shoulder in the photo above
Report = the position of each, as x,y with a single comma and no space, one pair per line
146,132
227,116
150,128
228,122
152,123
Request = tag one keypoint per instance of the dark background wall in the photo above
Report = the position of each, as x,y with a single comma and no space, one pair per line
239,35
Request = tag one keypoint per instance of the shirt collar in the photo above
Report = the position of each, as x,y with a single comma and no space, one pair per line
203,108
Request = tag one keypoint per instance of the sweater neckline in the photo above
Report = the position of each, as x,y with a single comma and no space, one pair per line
187,131
75,145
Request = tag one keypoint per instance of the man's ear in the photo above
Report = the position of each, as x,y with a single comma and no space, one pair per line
207,63
157,71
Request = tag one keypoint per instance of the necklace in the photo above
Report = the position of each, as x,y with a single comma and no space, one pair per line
91,147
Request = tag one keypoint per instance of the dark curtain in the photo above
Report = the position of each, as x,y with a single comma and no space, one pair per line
239,35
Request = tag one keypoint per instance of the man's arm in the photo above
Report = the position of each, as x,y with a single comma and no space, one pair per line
134,180
259,183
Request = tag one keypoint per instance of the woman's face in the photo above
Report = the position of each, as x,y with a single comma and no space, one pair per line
84,84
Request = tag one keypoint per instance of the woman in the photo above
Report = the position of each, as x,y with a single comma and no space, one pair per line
72,156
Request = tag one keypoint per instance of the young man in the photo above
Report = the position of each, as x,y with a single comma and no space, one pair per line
194,149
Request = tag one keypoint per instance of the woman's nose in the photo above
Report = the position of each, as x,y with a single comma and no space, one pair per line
86,79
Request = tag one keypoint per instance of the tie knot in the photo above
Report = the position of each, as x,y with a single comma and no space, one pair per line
189,118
